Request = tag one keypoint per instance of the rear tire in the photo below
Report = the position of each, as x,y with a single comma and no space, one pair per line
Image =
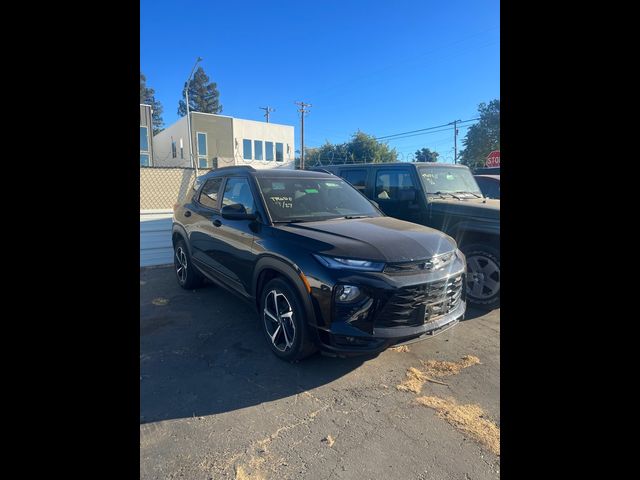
483,276
186,273
284,322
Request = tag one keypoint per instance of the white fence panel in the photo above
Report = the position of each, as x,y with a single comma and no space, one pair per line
155,237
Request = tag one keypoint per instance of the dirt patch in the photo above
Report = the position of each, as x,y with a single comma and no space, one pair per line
469,419
414,382
400,349
434,369
437,368
241,474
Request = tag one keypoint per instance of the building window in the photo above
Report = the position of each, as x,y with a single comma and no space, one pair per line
202,150
257,147
173,149
268,151
181,150
144,159
279,152
246,149
144,139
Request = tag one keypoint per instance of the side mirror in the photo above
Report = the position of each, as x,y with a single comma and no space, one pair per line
236,212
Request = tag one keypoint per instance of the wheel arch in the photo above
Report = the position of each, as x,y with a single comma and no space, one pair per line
269,267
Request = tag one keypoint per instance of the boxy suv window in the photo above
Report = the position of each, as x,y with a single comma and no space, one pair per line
448,180
209,193
357,178
391,183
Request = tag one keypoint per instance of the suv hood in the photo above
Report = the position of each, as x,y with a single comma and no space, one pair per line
479,208
385,239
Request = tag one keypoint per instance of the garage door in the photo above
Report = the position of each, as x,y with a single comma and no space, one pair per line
155,237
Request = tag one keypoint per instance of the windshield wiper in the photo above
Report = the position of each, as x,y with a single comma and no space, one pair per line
464,191
442,194
292,220
349,217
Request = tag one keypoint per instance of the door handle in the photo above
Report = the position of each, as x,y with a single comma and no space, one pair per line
217,223
187,213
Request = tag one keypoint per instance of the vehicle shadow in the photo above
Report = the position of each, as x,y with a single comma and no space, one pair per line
474,312
203,352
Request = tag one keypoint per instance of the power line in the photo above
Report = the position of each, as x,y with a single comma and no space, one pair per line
427,129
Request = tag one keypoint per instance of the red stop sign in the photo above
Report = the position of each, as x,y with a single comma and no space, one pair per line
493,159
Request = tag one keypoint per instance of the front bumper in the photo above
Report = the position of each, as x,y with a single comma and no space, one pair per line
368,326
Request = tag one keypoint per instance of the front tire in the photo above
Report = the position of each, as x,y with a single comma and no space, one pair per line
187,275
284,321
483,276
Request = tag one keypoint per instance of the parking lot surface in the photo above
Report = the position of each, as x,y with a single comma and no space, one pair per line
216,403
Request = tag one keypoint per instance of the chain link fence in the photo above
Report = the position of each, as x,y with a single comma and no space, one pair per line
162,187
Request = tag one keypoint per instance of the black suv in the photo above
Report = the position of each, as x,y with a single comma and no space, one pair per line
324,267
445,197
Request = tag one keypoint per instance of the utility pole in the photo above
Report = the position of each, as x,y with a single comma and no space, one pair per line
302,111
455,140
186,90
267,111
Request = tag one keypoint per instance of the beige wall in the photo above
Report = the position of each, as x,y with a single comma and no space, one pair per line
162,188
162,145
262,131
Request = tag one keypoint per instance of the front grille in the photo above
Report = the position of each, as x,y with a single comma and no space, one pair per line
420,266
420,304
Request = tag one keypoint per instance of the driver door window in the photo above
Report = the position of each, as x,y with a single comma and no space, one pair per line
238,190
393,185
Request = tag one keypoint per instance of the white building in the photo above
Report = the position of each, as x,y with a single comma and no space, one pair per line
222,141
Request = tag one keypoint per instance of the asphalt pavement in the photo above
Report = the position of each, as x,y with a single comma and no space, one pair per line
215,403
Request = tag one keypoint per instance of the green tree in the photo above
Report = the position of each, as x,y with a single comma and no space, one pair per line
362,148
482,137
147,96
203,95
426,155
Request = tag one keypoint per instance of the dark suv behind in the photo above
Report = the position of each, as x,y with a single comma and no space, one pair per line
445,197
324,267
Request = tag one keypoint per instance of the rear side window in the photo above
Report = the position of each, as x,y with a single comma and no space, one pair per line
209,193
390,184
357,178
238,190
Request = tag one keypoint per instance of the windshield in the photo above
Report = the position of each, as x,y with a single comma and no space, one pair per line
448,180
312,199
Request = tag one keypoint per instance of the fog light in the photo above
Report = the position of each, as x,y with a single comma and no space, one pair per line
347,293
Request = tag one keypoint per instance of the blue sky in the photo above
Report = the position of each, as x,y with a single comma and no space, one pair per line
383,67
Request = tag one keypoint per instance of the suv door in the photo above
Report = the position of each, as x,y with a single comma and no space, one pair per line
398,194
231,246
204,206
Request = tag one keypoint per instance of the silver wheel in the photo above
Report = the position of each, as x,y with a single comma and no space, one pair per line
181,264
483,276
278,320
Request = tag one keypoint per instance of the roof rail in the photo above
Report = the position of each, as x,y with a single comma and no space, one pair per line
240,167
323,170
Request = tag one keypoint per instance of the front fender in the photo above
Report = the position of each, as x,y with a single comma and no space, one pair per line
291,272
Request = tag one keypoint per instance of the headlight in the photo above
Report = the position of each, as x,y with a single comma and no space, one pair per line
349,263
347,293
